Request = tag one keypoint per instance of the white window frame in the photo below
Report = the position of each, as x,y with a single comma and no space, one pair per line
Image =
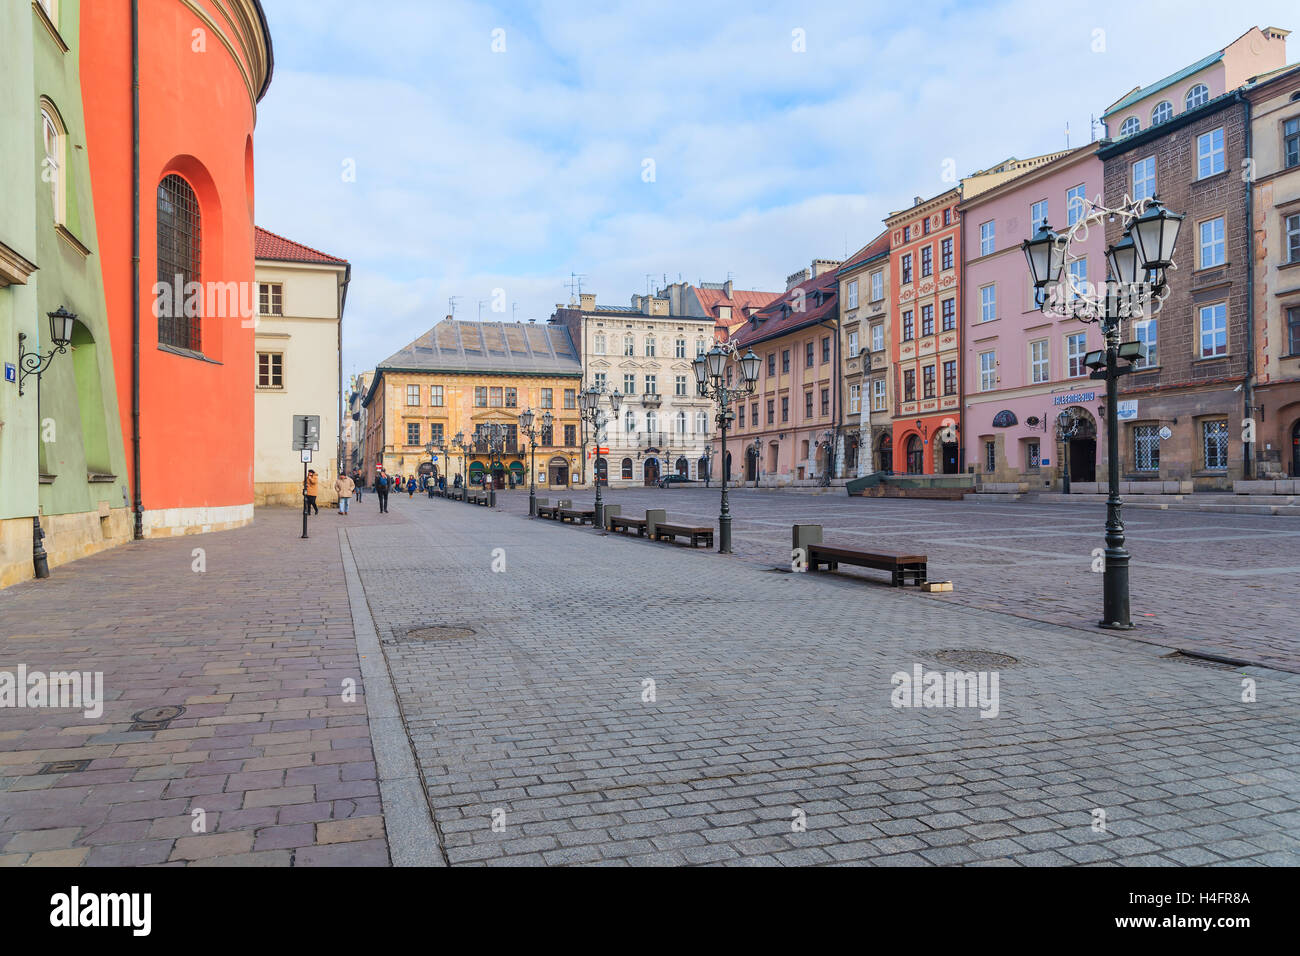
1040,361
1292,227
55,159
988,237
853,344
1217,313
1165,114
878,337
877,286
1131,126
1076,348
437,397
1038,214
1147,165
1076,202
878,395
855,399
1216,246
988,302
852,294
988,365
1201,99
1210,157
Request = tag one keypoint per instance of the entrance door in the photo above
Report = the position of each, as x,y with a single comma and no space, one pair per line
557,473
602,472
886,453
1083,459
751,464
651,471
1295,450
950,458
915,460
498,475
682,467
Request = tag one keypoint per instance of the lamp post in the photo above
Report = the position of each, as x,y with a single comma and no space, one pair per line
757,446
459,442
493,434
526,419
589,400
1066,426
1136,288
33,363
710,383
828,441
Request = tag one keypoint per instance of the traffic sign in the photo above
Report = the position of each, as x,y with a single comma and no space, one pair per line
306,432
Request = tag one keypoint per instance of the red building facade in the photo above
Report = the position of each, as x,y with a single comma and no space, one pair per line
925,335
183,363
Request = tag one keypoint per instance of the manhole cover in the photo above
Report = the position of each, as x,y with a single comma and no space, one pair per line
1197,660
437,633
972,660
155,718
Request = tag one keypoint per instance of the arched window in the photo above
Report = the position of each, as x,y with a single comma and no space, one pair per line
649,346
1163,113
681,423
626,470
680,349
1130,126
53,167
629,421
599,343
702,422
629,345
1198,95
180,259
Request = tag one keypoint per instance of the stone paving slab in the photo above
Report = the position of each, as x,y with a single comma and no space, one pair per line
256,648
1209,583
771,738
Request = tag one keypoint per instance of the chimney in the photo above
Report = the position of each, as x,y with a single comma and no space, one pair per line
588,301
795,278
917,201
822,266
726,288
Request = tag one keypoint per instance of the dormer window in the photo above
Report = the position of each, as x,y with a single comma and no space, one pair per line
1163,113
1198,95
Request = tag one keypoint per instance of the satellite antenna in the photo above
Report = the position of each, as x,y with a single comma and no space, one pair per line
451,304
574,286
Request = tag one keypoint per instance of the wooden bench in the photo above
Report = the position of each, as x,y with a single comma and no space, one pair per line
576,516
626,524
671,532
548,511
900,565
478,499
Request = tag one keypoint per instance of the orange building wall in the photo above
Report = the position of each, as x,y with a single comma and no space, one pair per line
197,120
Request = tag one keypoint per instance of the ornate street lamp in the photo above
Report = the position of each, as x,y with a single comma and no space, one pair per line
459,442
526,420
1136,288
589,401
1067,426
33,363
709,383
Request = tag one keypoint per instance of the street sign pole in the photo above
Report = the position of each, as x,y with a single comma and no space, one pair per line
306,437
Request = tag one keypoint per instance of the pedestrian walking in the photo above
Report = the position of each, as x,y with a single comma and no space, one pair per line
344,487
410,487
381,490
358,484
310,489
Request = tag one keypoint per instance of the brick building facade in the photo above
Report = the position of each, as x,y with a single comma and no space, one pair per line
1201,338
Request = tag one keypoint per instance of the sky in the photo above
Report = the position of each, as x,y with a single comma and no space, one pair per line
489,151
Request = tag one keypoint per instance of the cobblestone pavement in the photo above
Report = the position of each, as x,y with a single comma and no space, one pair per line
1223,584
768,735
255,648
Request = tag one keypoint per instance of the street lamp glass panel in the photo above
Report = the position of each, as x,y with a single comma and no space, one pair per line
717,360
526,419
1042,256
1156,233
61,326
547,420
749,366
1124,260
701,370
615,400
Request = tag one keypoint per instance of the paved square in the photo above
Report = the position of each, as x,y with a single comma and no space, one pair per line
770,736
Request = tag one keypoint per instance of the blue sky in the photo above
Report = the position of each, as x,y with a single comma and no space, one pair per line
478,170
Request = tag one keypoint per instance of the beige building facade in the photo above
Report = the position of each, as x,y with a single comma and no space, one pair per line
301,297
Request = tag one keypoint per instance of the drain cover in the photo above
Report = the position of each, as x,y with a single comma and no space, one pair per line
156,718
65,766
440,632
1199,660
972,660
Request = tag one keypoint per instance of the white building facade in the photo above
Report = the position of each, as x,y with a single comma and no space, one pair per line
644,353
297,368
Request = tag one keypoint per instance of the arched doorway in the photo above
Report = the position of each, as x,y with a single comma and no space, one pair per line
1295,450
1082,448
557,473
625,470
651,472
475,472
602,471
517,474
683,466
915,455
885,454
751,464
498,475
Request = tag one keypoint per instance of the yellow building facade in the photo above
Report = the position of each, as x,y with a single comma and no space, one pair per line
461,376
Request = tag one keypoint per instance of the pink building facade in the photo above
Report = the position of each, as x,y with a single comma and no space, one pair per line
1023,366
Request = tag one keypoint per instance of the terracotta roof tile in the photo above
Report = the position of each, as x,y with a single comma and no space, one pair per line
268,245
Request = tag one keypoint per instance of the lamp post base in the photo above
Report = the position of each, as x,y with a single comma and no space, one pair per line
724,534
1115,625
40,560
